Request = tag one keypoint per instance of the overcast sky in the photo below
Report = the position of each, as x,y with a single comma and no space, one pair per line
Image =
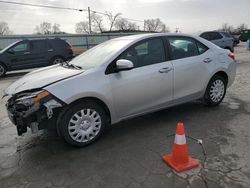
191,16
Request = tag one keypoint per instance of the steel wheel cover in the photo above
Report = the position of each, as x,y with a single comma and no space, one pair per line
217,91
84,125
57,61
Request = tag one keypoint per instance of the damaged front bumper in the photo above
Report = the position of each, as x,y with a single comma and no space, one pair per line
35,110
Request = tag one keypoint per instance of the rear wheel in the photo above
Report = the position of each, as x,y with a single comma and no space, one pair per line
2,70
215,91
83,123
57,60
231,49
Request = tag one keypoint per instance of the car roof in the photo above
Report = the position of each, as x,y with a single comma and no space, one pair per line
149,35
32,39
139,37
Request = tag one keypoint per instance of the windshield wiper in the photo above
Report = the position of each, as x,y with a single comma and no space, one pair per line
65,64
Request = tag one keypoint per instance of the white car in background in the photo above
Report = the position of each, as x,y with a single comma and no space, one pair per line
117,80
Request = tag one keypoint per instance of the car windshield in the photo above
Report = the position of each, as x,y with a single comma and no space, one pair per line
6,48
99,54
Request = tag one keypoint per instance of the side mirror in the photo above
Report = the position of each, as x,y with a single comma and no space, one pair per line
124,64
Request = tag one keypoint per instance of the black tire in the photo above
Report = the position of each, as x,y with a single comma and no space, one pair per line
231,49
208,98
3,70
64,123
57,59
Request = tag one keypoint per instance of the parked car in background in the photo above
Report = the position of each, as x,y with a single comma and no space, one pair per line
222,39
236,40
117,80
245,35
34,53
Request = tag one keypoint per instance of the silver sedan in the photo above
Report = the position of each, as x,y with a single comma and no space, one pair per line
120,79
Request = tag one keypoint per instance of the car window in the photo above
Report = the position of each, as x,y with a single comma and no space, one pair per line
145,53
21,47
215,36
38,45
227,35
201,47
58,43
205,36
183,47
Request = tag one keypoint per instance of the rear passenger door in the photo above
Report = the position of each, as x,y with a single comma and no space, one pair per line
39,51
192,62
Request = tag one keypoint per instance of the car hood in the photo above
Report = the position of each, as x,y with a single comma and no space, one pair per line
40,78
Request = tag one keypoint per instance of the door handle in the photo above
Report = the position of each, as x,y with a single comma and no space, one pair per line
50,50
165,70
26,53
207,60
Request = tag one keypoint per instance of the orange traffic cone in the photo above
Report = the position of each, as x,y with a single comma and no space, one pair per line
179,159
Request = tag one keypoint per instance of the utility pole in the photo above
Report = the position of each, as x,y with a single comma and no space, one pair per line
89,21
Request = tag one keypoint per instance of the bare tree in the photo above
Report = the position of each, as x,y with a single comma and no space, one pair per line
241,27
56,28
44,28
4,29
97,22
82,27
112,18
227,28
124,25
154,25
132,26
121,24
165,29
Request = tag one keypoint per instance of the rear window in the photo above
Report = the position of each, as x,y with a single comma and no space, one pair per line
183,47
57,43
227,35
215,36
205,36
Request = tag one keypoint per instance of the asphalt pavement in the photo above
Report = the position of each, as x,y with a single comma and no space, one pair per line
129,153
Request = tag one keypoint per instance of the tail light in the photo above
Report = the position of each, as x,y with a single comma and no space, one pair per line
70,49
231,55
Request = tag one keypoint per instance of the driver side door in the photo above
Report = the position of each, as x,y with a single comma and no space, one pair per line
146,87
19,56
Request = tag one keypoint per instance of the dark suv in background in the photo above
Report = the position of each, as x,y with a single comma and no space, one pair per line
27,54
221,39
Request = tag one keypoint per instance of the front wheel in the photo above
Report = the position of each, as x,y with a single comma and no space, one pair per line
2,70
83,123
215,91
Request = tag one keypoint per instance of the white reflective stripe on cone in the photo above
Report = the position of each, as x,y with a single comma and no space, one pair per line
180,139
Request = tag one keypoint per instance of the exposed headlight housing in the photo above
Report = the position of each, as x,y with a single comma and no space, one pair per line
33,98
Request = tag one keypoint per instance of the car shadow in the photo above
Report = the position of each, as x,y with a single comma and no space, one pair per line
158,124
